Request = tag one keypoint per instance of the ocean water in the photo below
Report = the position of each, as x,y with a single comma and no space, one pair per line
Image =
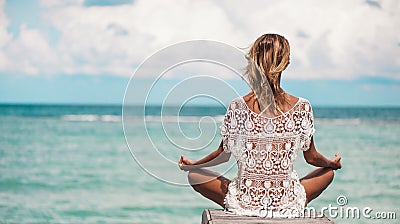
71,164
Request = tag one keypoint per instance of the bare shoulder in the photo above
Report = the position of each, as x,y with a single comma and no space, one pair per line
303,102
248,97
251,101
288,102
291,99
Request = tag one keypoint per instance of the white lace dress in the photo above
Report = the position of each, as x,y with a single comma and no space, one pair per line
265,150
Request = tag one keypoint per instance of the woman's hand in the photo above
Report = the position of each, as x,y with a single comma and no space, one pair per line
216,157
336,164
185,163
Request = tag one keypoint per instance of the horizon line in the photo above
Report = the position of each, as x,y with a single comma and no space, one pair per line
95,104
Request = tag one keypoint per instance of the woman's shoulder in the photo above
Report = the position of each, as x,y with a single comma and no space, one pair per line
305,104
304,100
236,103
299,99
242,102
299,102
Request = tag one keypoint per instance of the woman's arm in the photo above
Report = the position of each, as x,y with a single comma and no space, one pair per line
217,157
313,157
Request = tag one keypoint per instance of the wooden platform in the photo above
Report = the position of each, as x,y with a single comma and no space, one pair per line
220,217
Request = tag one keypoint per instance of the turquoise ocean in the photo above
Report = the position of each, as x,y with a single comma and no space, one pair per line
71,163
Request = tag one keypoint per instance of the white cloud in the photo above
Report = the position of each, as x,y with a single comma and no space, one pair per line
5,37
31,52
339,39
115,39
336,39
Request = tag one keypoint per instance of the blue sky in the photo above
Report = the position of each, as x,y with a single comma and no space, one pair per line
76,51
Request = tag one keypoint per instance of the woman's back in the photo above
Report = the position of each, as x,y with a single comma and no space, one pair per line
265,149
265,144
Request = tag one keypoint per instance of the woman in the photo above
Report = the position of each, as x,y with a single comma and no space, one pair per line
264,130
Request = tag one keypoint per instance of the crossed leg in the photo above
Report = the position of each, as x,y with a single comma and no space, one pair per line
214,186
316,182
210,184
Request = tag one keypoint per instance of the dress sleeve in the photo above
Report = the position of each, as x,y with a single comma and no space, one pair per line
308,126
225,127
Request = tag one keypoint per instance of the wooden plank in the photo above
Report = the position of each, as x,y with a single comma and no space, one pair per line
220,217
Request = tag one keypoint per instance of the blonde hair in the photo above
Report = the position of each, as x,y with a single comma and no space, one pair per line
269,55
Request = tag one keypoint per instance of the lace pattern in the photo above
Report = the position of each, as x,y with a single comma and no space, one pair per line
265,150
